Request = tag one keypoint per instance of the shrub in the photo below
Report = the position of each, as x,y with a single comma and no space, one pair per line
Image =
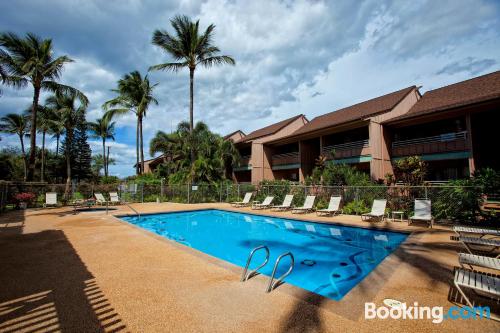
356,207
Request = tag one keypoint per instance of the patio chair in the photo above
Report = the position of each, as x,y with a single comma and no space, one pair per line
307,207
422,212
494,244
483,232
114,198
245,202
265,204
333,207
480,282
286,205
476,260
378,211
100,200
50,199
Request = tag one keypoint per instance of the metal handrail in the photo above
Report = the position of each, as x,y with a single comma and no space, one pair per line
446,137
347,145
272,285
136,212
244,276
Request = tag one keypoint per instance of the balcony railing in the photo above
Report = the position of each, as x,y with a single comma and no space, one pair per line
432,139
286,158
244,160
348,149
444,143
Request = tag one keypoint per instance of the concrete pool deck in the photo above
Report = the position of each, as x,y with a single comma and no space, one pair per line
91,272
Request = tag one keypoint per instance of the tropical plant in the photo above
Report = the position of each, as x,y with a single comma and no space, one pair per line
30,60
103,128
410,170
189,49
135,94
46,118
16,124
212,154
68,105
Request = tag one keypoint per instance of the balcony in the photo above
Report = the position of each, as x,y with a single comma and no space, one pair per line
285,159
448,142
345,150
244,164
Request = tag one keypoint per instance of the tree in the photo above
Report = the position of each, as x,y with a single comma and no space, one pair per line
16,124
68,105
189,49
82,166
135,94
410,170
30,60
47,117
103,128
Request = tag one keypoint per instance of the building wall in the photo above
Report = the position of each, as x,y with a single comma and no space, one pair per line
261,154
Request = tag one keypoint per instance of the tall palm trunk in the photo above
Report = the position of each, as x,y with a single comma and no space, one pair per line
34,109
137,166
58,136
104,157
69,140
191,106
42,169
141,145
107,162
24,156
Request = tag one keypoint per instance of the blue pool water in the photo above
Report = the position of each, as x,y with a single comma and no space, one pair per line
329,259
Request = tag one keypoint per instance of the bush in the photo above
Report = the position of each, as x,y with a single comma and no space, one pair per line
356,207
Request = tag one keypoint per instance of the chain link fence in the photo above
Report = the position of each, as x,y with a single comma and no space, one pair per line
448,202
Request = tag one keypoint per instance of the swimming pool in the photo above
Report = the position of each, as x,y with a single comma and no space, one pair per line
329,259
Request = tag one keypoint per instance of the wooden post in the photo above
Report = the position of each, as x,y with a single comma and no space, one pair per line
472,163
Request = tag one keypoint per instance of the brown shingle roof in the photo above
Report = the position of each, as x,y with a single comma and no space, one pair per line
355,112
268,130
476,90
232,133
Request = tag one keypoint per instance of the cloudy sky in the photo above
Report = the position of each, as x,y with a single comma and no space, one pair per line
293,57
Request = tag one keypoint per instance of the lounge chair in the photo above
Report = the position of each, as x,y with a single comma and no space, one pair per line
265,204
114,198
480,261
494,244
50,199
333,207
483,232
378,211
100,199
307,207
422,212
286,205
245,202
480,282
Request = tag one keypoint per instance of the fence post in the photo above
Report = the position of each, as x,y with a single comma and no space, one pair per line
162,191
142,193
189,201
221,189
425,189
238,191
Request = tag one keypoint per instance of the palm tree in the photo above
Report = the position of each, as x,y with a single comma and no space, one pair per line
16,124
30,60
135,94
56,130
103,128
189,49
45,123
69,106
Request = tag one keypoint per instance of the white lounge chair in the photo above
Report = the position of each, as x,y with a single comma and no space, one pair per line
114,198
307,207
50,199
100,200
422,212
286,205
480,282
494,244
378,211
265,204
245,202
333,207
483,232
475,260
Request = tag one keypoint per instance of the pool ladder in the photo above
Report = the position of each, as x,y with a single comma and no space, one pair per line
272,284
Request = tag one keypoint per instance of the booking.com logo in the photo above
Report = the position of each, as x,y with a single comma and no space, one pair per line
398,310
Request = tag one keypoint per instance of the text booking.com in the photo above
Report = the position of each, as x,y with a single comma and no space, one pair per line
416,312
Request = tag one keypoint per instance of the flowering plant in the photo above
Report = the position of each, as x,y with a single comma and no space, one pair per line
25,197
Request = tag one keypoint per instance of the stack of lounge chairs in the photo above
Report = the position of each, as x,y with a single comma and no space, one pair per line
482,246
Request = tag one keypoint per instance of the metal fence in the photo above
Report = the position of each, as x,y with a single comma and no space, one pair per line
448,202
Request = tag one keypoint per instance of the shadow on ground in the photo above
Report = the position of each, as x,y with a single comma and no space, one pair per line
44,286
